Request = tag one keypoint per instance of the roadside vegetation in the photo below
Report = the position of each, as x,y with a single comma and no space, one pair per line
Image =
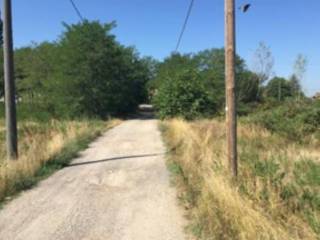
44,148
85,72
276,195
295,120
277,192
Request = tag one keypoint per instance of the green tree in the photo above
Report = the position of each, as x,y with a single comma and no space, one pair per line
278,88
211,64
96,76
183,95
171,67
35,65
300,68
247,87
263,65
296,89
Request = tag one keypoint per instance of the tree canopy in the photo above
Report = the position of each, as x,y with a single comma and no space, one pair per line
85,72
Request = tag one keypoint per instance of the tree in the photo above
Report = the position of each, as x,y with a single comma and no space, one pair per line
263,64
85,72
300,68
209,65
1,30
247,87
278,88
171,67
183,95
96,76
151,65
295,86
35,65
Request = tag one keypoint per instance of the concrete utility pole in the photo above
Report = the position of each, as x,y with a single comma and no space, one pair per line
231,117
10,98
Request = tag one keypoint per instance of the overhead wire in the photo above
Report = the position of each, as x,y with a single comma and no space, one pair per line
77,10
184,25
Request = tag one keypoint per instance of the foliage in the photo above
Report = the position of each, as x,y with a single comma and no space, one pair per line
99,77
184,96
247,86
209,67
300,67
85,72
294,120
295,86
279,88
264,63
151,65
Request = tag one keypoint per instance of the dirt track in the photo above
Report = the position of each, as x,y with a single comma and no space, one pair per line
117,190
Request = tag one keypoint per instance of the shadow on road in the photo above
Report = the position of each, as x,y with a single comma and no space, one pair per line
114,159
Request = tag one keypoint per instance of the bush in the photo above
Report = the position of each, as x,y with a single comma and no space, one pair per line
209,68
294,120
183,96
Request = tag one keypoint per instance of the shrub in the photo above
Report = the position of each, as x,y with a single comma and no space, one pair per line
294,120
183,95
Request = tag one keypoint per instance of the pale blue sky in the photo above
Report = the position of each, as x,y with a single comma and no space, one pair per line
289,27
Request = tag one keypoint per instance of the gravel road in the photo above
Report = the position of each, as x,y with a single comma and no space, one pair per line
118,189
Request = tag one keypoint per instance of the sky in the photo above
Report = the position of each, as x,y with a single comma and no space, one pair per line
288,27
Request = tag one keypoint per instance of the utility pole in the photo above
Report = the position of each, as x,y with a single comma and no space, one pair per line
231,117
10,96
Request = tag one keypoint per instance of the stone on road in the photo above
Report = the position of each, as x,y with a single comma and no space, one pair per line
118,189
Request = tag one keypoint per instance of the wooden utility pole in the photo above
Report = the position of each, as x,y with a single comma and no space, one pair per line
231,117
10,96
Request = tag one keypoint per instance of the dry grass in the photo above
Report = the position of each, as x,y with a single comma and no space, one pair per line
40,143
269,199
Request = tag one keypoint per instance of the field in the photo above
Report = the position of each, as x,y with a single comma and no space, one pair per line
277,192
44,147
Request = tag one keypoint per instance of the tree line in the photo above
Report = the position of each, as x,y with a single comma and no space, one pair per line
86,72
193,85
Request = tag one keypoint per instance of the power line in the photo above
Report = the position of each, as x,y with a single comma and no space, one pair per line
77,10
185,24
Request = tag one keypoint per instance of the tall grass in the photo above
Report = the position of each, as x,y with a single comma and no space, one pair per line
276,195
44,148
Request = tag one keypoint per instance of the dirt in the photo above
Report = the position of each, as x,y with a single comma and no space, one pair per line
118,189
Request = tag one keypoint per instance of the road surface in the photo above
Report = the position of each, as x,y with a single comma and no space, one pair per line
118,189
